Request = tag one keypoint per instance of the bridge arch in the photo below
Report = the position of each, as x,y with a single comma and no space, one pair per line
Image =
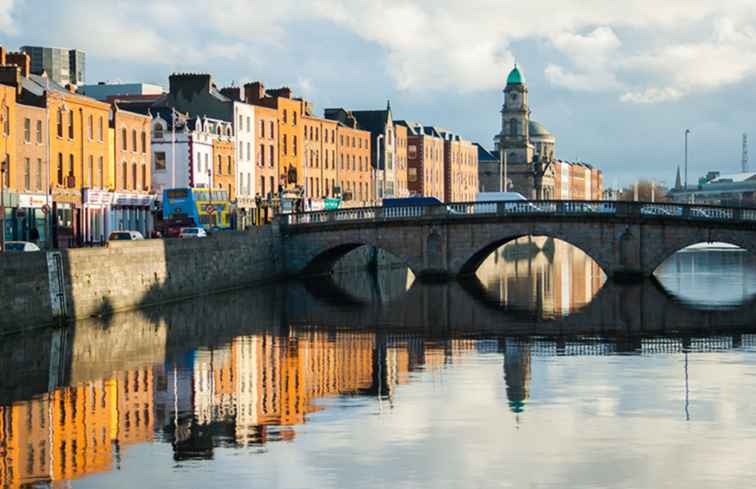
477,257
673,246
322,261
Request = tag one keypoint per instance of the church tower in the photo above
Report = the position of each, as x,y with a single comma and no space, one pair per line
515,121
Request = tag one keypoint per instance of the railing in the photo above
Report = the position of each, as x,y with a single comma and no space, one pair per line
588,208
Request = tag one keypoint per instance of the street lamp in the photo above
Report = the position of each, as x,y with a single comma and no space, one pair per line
687,131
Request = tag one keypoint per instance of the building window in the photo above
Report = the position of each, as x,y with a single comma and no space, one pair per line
6,120
59,123
144,176
70,165
158,134
160,161
39,132
294,118
27,174
295,144
285,145
27,130
134,175
70,124
144,142
261,161
124,139
220,165
38,175
249,148
262,128
90,127
100,130
230,165
134,140
272,130
272,159
285,117
60,169
90,177
101,172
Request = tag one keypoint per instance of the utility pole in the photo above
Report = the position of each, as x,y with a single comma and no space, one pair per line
173,147
685,185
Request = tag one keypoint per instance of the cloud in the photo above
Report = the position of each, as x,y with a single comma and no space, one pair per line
6,21
645,51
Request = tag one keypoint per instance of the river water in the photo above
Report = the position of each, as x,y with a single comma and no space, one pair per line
536,373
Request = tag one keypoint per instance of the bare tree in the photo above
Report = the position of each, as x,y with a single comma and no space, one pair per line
647,191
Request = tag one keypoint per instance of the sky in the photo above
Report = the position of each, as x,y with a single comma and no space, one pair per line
616,82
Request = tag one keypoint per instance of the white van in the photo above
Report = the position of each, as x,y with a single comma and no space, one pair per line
515,202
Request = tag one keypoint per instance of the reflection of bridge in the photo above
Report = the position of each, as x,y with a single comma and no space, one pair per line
453,239
466,307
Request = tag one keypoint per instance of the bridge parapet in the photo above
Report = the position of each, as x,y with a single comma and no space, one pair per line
652,211
624,238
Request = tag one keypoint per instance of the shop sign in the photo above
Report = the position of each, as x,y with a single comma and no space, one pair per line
140,200
97,197
31,201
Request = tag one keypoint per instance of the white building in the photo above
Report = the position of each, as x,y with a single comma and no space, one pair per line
244,142
184,157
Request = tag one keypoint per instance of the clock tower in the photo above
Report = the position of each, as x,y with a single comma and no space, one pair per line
515,119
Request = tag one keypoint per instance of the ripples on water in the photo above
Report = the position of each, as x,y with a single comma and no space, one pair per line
540,374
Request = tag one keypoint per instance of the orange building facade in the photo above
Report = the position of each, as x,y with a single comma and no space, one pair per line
460,169
289,129
266,143
224,176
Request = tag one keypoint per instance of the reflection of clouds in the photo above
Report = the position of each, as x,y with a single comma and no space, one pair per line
618,422
710,278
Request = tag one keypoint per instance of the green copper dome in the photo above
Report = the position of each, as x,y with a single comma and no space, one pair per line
515,77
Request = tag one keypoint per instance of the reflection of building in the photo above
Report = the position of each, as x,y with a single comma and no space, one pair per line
73,431
517,375
543,275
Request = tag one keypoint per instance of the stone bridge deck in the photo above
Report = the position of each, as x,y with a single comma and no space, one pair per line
450,240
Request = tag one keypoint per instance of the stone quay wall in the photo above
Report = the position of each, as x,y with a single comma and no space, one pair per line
131,275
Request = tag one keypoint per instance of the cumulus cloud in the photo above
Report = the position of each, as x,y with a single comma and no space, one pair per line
6,20
644,50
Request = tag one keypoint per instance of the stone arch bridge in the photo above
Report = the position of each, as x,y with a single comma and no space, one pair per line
450,240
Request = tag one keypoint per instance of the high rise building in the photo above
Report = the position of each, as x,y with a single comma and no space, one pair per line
62,65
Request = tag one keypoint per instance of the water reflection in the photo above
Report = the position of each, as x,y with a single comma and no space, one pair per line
541,274
443,367
710,278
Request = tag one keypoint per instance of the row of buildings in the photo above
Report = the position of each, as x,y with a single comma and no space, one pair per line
82,161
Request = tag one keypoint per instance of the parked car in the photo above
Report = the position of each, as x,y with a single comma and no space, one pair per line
192,233
20,246
125,236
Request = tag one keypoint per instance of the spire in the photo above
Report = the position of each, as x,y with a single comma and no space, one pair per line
388,105
678,180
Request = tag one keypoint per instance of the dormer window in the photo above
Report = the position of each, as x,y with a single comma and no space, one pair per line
158,133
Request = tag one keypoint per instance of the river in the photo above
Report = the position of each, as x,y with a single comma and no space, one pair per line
538,372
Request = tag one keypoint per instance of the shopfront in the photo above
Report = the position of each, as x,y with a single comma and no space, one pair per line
29,220
132,212
66,218
97,205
